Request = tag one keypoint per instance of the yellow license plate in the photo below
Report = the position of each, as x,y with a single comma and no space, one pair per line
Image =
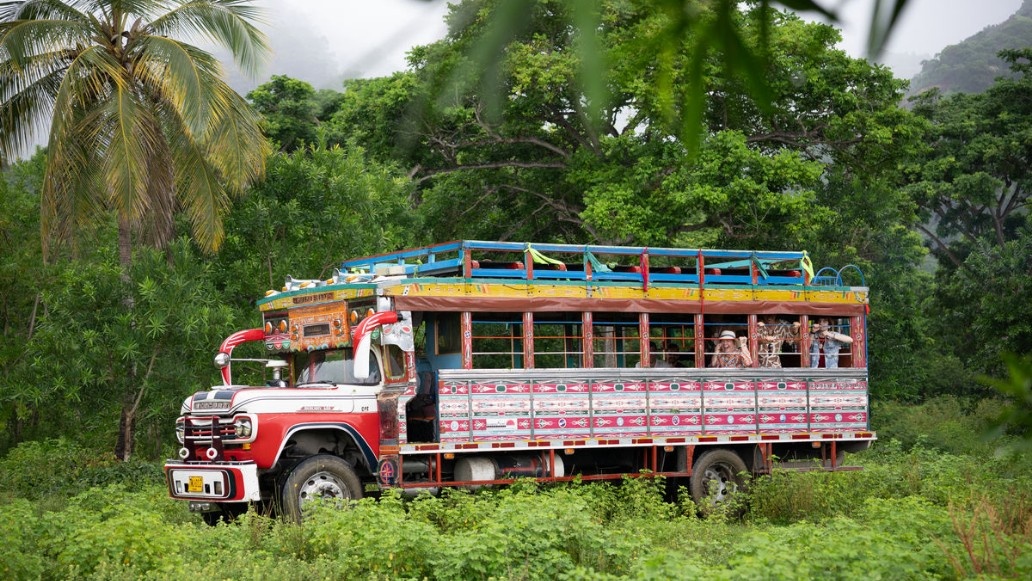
196,484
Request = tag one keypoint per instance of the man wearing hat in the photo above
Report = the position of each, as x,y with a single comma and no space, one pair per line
731,351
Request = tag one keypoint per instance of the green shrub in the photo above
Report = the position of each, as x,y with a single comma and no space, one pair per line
946,423
20,555
889,539
55,469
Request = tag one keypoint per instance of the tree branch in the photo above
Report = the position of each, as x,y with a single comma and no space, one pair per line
494,165
942,246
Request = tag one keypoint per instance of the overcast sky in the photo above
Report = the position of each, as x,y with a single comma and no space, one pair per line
325,41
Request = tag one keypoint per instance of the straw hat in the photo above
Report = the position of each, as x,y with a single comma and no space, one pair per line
727,335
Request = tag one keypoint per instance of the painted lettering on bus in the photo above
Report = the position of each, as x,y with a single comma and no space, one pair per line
313,298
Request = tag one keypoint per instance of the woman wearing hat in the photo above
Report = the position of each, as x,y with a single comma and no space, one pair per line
731,351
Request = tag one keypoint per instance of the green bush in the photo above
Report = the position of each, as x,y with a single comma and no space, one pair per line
946,423
889,539
20,557
51,470
914,511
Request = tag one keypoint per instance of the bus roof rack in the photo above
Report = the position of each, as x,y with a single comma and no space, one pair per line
475,259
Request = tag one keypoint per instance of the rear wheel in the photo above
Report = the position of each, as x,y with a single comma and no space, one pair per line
716,476
319,477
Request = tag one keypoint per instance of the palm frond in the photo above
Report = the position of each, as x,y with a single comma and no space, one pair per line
78,145
228,23
158,225
236,145
173,70
23,39
44,10
200,192
133,140
26,103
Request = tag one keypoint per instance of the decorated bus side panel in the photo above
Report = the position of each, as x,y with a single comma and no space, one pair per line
478,406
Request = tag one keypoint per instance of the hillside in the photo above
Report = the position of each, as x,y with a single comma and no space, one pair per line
972,65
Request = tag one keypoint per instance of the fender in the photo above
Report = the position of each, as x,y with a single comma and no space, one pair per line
363,447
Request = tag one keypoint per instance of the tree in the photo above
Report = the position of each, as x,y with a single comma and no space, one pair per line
704,28
141,124
85,340
315,208
21,281
972,187
377,113
289,110
542,168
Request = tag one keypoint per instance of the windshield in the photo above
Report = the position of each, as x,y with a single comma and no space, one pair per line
336,366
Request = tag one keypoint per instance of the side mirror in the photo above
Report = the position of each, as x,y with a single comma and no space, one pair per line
361,365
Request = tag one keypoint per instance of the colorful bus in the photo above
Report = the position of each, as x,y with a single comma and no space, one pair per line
474,363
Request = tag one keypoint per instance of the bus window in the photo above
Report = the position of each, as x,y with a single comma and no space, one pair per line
497,341
672,337
394,362
721,327
447,334
777,339
557,340
831,344
616,339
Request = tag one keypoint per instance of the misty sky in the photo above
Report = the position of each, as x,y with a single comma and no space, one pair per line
325,41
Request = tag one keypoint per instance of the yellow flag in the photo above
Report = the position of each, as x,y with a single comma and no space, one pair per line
807,265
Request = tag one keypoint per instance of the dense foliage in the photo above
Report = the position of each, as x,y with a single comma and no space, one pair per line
937,508
930,203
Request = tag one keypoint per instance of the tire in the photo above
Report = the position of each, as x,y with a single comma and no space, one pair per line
716,476
323,477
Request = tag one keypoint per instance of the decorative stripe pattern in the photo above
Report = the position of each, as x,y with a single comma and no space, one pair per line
481,406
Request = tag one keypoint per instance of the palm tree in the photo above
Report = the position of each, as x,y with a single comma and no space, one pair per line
141,123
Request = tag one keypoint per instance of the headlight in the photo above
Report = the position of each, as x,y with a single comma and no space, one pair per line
181,430
242,426
221,360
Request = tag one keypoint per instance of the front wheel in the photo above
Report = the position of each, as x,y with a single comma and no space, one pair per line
716,476
319,477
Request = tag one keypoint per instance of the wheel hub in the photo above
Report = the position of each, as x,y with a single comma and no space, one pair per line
323,485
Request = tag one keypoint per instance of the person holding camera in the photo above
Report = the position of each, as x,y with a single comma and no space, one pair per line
822,336
772,334
731,351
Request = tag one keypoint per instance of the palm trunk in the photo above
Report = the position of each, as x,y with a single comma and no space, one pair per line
127,419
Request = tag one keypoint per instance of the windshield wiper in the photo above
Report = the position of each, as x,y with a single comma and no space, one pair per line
317,382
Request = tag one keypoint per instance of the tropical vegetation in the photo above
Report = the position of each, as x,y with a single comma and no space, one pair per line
175,227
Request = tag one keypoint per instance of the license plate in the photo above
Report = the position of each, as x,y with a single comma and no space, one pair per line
196,484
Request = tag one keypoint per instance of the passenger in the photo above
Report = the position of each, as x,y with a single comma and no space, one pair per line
731,351
671,356
771,335
664,358
822,336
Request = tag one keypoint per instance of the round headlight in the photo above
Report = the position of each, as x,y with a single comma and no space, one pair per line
242,427
181,431
221,360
